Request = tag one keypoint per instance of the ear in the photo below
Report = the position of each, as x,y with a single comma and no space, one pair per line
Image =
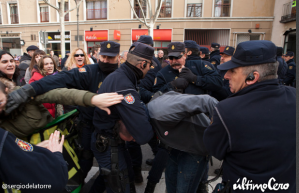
6,89
256,75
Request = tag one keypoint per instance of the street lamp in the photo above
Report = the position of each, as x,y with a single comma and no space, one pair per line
77,23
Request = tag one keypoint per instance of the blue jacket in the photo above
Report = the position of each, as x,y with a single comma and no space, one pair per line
290,76
23,163
89,77
215,58
254,132
282,68
224,92
131,110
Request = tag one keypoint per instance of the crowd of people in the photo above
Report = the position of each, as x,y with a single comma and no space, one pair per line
237,105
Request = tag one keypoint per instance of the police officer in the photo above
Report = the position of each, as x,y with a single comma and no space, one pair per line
22,163
224,92
215,54
109,151
258,106
290,77
89,77
282,67
204,53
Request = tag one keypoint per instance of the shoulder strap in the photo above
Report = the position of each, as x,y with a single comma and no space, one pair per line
2,142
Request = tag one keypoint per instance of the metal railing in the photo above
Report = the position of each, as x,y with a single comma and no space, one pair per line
194,10
14,18
44,17
165,11
138,11
67,17
93,14
222,10
289,13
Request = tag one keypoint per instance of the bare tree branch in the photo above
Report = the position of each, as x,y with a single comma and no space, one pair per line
150,9
73,8
144,18
135,13
157,11
47,2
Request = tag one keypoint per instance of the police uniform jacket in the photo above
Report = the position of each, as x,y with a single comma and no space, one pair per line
131,110
224,92
254,133
215,58
34,115
282,68
23,163
291,73
89,77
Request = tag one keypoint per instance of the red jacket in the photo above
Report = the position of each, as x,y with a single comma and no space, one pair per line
50,106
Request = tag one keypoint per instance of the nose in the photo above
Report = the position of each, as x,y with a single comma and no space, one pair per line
226,76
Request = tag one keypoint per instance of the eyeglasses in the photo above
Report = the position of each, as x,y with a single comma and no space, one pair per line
173,57
77,55
151,64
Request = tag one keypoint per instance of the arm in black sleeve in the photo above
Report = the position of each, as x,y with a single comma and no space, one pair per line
161,85
75,78
210,79
133,115
23,163
145,95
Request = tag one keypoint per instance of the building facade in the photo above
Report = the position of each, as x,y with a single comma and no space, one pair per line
227,22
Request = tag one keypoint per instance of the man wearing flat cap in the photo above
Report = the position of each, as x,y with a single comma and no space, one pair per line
24,64
290,78
131,111
215,54
254,130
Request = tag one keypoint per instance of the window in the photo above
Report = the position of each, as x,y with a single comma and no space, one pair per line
66,8
247,37
0,15
14,17
137,8
44,14
222,8
96,9
166,9
194,8
288,12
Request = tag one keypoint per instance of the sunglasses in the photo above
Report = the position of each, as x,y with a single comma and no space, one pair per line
77,55
151,64
173,57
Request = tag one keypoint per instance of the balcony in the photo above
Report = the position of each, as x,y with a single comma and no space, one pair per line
66,17
94,14
14,18
222,10
289,13
165,11
44,17
139,12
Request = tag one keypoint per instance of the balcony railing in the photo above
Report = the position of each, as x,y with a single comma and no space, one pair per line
14,19
139,12
93,14
289,13
67,17
44,17
165,11
194,10
222,10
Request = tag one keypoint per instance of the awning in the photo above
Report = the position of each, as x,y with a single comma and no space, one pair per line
96,36
159,34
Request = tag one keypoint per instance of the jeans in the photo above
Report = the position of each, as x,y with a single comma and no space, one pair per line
184,171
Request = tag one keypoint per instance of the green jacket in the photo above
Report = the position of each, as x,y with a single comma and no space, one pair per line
34,115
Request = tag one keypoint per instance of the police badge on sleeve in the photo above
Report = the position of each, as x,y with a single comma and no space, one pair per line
25,146
129,98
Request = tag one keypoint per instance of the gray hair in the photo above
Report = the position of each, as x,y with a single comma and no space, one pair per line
267,71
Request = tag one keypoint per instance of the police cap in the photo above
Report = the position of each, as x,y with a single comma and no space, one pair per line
289,53
32,47
251,53
191,44
175,48
142,50
109,48
146,40
228,50
215,45
204,50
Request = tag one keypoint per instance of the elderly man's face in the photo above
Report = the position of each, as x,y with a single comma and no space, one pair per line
225,58
236,79
160,54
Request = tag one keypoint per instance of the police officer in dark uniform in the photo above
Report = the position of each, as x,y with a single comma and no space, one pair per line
204,53
224,92
290,78
89,77
215,54
196,77
283,67
107,148
247,131
22,163
145,92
